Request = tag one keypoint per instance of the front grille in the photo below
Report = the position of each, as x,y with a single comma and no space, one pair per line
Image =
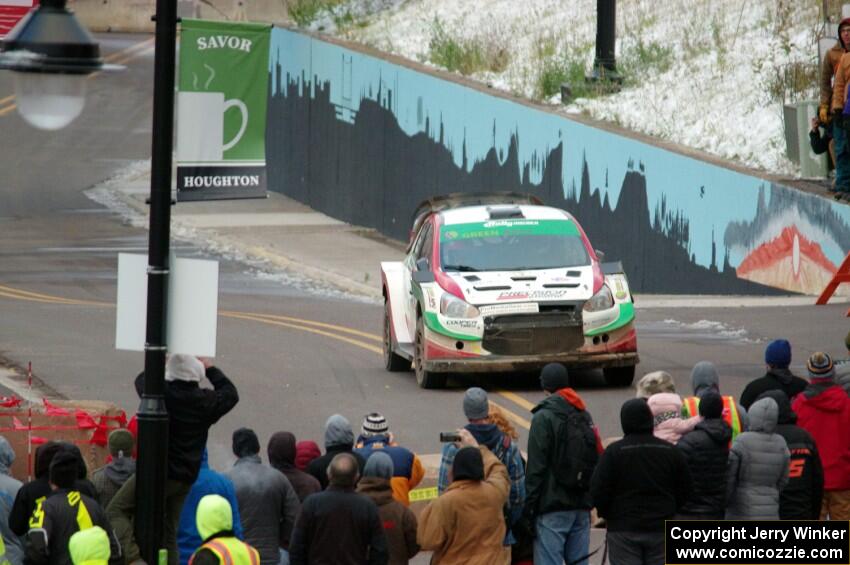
533,334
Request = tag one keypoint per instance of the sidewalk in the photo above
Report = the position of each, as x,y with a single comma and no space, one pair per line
287,235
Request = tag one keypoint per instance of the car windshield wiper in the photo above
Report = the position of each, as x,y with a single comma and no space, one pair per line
460,268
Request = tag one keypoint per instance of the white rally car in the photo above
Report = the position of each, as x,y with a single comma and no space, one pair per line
499,282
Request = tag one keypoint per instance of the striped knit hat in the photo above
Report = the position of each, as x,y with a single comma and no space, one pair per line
820,366
374,425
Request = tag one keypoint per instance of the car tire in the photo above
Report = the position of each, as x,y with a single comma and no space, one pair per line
619,376
392,362
425,379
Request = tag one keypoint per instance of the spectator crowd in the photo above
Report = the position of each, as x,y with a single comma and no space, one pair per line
781,451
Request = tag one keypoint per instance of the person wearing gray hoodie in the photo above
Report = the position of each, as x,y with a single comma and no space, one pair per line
758,466
112,476
704,377
339,438
9,487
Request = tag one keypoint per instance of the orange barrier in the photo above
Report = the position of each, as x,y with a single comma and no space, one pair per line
86,424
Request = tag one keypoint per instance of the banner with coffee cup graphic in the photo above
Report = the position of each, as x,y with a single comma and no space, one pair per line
221,110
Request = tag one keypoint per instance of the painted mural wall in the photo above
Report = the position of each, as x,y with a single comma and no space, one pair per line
365,141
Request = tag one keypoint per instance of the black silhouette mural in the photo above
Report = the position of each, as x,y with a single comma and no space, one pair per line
369,172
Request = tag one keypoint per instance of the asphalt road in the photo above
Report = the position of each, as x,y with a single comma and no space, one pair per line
296,356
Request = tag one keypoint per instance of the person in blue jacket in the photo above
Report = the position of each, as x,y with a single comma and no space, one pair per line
208,482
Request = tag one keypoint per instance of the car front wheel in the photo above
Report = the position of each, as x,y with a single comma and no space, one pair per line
392,362
425,379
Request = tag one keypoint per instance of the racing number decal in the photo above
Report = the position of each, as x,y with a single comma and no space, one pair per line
37,518
796,468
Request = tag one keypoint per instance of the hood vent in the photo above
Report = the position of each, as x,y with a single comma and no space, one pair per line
561,285
493,287
472,278
528,278
573,273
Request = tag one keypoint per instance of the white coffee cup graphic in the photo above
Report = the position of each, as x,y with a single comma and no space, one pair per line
200,125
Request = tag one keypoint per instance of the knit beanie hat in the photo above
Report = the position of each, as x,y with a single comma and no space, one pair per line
554,377
338,432
820,367
180,367
64,469
121,441
379,465
374,424
778,354
245,443
468,464
653,383
475,405
636,417
711,405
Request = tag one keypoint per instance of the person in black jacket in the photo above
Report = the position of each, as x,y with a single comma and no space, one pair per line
339,526
640,482
192,410
556,505
30,493
801,498
777,356
62,514
339,438
706,450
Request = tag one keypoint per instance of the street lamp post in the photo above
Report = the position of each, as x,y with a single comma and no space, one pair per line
151,474
51,54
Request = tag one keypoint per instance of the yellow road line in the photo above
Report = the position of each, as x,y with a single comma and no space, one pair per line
8,109
516,399
126,50
7,99
10,292
343,329
133,56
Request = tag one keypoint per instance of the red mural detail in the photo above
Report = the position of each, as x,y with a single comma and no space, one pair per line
789,261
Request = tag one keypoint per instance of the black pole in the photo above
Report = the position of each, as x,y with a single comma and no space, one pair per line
151,474
605,64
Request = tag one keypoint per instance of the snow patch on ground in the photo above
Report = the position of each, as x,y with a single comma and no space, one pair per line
713,95
712,328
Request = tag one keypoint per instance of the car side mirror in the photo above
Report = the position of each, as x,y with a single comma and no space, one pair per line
599,255
422,264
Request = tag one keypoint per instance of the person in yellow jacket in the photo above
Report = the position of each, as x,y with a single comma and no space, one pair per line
89,547
221,546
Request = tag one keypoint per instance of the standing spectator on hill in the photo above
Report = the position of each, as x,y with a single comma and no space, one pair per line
777,356
339,438
9,487
30,493
563,449
758,466
112,476
268,504
465,523
640,481
842,366
668,424
653,383
281,451
376,436
823,410
802,496
214,521
208,482
706,450
192,410
305,452
398,520
476,408
829,67
704,378
339,526
841,116
62,514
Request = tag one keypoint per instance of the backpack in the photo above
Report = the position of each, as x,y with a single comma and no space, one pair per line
576,455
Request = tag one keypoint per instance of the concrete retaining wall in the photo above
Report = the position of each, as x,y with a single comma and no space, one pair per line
364,137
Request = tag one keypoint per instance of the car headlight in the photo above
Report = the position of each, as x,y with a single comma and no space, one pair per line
602,300
453,307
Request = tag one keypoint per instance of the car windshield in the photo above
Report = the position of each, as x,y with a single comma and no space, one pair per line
511,245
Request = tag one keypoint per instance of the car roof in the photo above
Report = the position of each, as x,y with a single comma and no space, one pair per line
473,214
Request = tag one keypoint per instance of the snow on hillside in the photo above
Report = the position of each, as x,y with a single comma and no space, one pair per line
709,74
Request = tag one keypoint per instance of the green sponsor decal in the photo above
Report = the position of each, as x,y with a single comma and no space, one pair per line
224,74
627,314
497,228
433,323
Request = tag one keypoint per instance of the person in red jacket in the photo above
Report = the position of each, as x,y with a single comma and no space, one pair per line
823,410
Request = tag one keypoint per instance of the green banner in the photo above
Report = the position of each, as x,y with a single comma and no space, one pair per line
221,110
496,228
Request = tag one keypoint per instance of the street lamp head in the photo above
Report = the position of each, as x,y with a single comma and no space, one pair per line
51,53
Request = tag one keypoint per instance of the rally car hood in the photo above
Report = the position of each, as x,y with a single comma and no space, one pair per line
551,285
